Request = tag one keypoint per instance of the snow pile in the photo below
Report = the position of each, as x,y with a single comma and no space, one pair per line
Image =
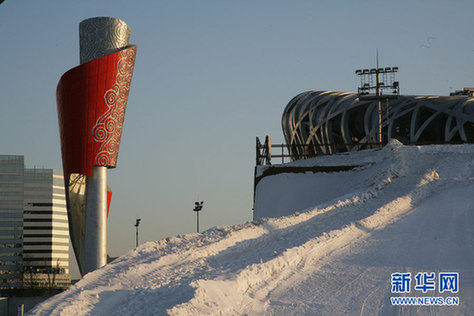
283,194
407,209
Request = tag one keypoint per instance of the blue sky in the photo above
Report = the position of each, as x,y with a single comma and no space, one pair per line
209,77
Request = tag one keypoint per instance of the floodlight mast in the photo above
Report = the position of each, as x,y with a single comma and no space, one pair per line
367,87
197,209
136,225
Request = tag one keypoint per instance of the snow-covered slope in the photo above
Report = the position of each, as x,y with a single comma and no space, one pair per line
410,209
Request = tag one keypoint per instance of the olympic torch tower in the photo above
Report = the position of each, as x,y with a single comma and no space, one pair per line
91,100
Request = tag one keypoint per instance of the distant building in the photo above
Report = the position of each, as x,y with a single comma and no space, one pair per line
325,122
34,236
11,220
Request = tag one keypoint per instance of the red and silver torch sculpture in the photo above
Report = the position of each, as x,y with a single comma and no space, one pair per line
91,102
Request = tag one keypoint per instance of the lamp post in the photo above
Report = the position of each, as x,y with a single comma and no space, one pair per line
136,225
197,209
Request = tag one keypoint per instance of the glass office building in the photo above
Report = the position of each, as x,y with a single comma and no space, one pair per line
34,241
11,220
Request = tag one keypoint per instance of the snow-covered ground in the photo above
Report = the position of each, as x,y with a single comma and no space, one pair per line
409,209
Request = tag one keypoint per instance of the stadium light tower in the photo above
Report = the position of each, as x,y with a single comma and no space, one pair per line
370,90
136,226
197,209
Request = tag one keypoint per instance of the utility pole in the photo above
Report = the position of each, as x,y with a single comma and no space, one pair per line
367,89
136,226
197,209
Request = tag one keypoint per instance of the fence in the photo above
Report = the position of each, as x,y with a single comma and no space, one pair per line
267,151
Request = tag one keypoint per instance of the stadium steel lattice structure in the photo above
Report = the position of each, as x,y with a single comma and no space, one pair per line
92,99
325,122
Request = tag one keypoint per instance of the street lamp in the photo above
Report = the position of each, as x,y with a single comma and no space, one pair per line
197,208
136,225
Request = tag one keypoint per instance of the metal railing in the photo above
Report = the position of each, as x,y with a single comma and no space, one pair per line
267,152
